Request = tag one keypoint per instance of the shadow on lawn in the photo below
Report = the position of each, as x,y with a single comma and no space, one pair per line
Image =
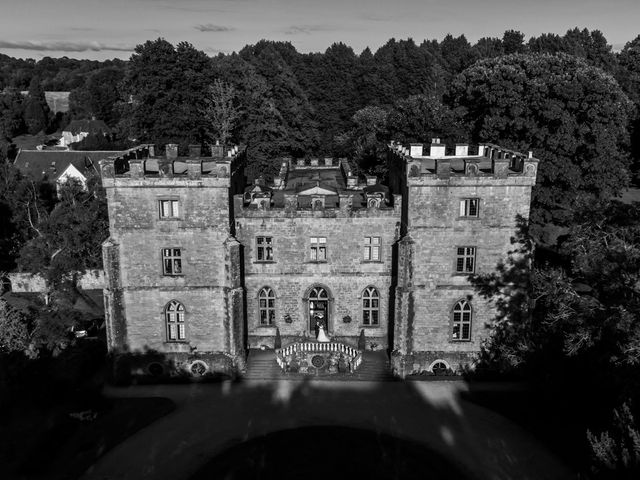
326,429
53,416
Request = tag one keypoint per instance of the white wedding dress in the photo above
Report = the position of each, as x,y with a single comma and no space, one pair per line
322,337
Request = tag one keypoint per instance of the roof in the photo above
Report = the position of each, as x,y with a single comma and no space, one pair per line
89,126
305,179
38,164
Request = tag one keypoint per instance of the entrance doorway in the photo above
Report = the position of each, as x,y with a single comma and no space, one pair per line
318,309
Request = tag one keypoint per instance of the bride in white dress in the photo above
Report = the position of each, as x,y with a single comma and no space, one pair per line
322,336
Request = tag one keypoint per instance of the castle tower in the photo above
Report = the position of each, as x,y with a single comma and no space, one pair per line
172,266
459,215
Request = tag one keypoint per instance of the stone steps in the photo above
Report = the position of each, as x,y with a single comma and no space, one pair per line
262,365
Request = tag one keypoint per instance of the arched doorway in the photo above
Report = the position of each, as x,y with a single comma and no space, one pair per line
318,302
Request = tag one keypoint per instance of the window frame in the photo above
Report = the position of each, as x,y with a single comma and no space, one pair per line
172,258
368,249
318,245
465,256
369,296
173,208
262,248
175,317
465,207
461,308
269,308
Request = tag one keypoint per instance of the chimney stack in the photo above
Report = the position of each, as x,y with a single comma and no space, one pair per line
462,150
437,149
415,149
372,179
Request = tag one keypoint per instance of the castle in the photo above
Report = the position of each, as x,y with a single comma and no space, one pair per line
200,267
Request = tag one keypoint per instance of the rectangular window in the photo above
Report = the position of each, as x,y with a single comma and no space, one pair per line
318,249
264,247
466,259
469,207
168,208
372,248
171,261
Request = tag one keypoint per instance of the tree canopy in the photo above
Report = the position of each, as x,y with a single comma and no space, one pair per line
572,115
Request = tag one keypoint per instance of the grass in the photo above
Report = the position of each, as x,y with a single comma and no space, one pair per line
38,443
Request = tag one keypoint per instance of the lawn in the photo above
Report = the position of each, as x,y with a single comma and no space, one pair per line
50,444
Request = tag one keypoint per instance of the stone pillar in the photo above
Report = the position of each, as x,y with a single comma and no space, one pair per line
404,309
115,316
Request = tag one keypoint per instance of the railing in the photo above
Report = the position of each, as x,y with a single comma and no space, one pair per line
319,347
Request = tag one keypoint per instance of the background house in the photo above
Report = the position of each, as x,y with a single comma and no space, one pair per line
77,130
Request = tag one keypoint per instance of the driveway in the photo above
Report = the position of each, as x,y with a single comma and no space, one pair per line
210,418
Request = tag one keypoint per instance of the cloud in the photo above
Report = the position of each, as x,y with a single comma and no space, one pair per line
55,46
210,27
307,29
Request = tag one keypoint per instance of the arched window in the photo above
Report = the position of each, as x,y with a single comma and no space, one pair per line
370,307
461,321
174,319
267,307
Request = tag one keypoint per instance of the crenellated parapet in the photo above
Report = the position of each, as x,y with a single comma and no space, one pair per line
483,163
139,166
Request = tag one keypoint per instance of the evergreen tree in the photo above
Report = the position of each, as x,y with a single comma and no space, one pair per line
36,110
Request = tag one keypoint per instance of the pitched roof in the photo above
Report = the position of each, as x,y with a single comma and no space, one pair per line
38,164
89,126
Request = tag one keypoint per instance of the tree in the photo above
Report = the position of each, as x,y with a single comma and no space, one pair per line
367,140
572,115
14,329
100,97
69,239
12,121
221,110
513,42
36,110
488,47
420,118
167,86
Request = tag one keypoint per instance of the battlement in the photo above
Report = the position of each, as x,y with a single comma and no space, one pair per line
141,162
483,160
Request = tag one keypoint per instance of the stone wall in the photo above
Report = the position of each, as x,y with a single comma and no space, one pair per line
345,275
428,284
209,284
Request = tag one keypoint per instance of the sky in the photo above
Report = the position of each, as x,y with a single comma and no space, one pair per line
102,29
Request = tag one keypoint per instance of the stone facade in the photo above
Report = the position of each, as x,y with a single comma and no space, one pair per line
318,246
452,202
